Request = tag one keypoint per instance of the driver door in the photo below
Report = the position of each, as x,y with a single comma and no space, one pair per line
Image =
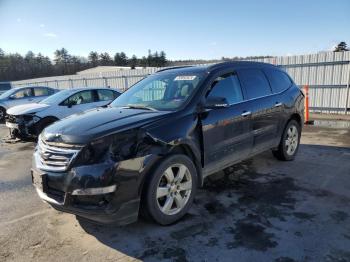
227,131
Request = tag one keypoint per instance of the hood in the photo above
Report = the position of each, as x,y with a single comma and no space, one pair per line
27,109
93,124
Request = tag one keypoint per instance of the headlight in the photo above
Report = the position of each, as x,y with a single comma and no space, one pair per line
116,147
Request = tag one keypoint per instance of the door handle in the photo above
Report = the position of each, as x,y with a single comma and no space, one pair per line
278,104
246,113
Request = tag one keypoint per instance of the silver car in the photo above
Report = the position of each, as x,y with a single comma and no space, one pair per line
23,95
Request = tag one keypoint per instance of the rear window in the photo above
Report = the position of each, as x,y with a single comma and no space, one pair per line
279,80
255,83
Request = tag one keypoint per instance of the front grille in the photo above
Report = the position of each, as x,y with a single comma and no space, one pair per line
56,156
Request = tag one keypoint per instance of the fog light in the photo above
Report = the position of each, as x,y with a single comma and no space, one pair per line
94,191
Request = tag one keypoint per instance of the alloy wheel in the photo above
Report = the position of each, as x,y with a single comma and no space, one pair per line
292,140
174,189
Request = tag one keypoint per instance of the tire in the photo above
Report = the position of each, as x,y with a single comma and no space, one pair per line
2,114
172,203
289,144
43,123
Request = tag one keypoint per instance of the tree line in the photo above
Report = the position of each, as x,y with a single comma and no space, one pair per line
17,67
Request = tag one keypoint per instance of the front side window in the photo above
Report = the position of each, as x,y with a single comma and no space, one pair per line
162,91
227,86
279,80
80,98
23,93
254,82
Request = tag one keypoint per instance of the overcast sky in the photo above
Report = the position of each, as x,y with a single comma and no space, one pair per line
182,28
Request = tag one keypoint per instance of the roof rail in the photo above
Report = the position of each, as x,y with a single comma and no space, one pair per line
173,67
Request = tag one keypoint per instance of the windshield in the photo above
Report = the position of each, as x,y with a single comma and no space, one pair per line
7,94
56,98
164,91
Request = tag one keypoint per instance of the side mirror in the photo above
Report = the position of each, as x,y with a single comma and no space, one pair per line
215,102
12,97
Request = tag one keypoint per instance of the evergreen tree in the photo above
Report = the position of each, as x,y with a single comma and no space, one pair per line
341,47
93,58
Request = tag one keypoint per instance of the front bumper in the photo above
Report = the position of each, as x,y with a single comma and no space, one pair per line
70,191
22,126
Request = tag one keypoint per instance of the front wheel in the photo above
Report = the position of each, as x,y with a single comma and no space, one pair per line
170,191
290,141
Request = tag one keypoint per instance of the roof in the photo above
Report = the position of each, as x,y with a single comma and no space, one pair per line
77,89
211,67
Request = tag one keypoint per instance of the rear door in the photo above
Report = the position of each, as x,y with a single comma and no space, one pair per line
227,136
261,104
41,93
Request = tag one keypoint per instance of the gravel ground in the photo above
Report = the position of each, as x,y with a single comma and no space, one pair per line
259,210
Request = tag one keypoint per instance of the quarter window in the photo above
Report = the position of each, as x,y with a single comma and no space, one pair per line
279,80
254,82
227,86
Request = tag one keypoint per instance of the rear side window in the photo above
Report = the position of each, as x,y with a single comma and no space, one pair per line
105,95
227,86
279,80
41,91
255,83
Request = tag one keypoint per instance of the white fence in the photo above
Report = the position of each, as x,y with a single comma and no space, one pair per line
327,74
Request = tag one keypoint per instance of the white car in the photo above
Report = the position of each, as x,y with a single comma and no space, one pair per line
29,120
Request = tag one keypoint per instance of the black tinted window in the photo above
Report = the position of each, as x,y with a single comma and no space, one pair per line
279,81
227,86
255,83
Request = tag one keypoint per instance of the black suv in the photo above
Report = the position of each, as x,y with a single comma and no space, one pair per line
154,145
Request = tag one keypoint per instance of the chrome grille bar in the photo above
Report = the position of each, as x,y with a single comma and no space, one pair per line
58,157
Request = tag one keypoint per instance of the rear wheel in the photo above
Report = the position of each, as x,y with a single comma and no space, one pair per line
170,191
290,141
2,114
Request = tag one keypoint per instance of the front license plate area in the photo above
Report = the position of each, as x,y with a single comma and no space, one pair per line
39,180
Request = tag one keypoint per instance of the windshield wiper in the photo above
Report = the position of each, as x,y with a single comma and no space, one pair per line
140,107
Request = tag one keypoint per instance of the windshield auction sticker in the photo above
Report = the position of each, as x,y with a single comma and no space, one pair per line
185,78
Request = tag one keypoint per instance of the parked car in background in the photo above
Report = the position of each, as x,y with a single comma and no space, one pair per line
29,120
23,95
154,145
4,86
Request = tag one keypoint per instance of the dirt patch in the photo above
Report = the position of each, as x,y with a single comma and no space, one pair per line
304,216
339,216
251,236
190,231
175,254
